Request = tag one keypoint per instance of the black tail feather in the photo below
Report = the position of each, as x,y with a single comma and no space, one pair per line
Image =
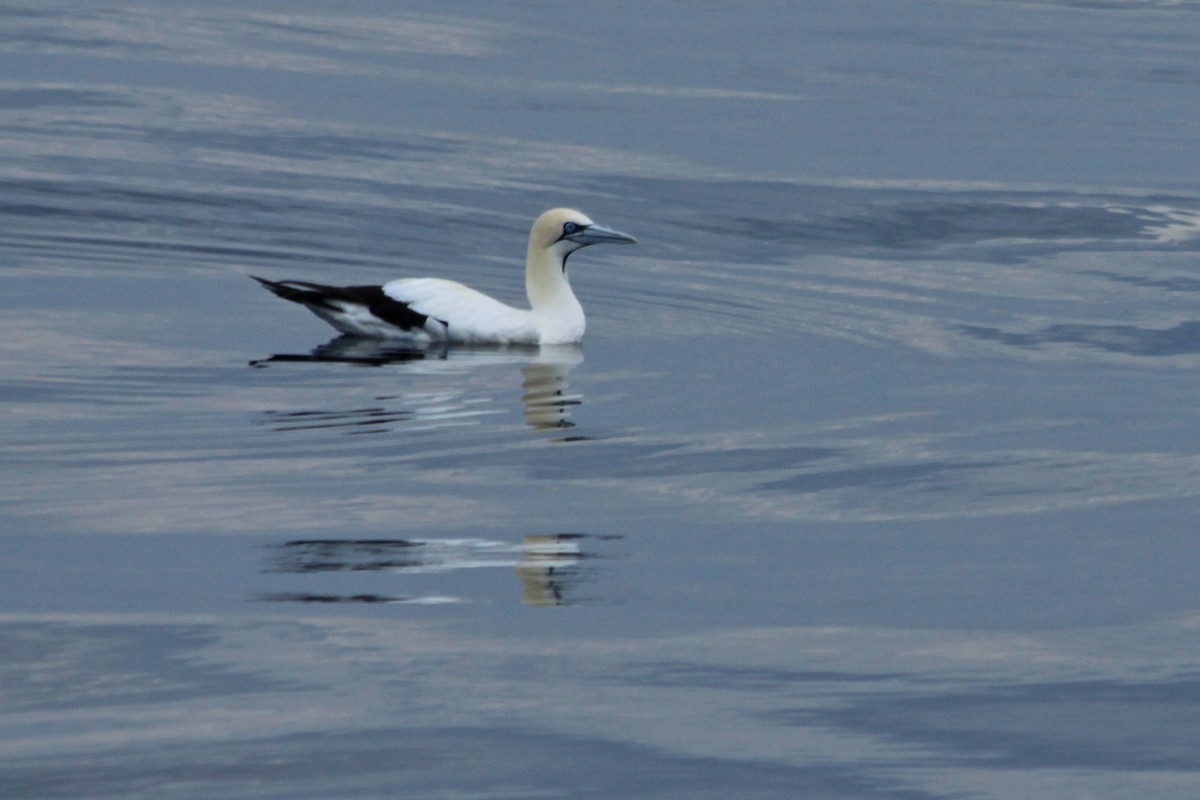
335,298
299,292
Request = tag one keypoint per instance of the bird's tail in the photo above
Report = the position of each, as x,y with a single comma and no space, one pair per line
288,291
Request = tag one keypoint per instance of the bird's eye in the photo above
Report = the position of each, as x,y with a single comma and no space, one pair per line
570,228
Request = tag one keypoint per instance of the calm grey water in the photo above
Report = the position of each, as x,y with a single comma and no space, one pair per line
878,474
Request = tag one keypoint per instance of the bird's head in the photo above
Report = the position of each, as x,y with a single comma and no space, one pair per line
563,231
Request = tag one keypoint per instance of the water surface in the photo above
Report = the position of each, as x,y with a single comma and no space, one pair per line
876,475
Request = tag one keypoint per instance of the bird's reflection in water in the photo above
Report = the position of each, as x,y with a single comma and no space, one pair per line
357,350
550,567
547,396
545,371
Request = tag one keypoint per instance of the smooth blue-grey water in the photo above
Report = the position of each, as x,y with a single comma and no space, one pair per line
877,474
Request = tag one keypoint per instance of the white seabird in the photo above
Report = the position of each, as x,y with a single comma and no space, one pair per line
434,309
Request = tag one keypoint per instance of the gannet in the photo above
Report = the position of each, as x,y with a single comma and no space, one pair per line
434,309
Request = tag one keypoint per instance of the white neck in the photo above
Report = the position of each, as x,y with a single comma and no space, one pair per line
557,313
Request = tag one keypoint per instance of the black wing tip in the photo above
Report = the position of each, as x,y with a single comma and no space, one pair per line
373,298
296,291
274,286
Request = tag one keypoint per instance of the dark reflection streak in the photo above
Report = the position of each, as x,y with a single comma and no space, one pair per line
361,352
354,555
321,420
300,597
332,415
352,425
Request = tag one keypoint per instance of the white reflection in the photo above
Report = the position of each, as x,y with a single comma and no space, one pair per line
547,395
547,565
545,371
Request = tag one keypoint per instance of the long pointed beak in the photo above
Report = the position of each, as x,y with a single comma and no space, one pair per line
598,234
